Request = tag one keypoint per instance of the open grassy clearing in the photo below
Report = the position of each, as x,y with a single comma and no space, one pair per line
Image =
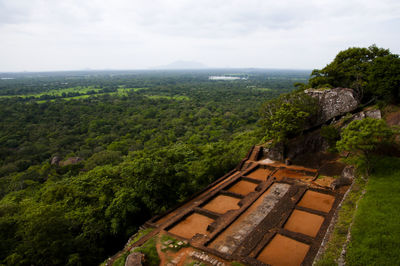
120,93
375,235
175,97
56,92
345,216
85,91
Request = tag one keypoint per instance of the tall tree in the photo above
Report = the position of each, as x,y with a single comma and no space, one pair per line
349,69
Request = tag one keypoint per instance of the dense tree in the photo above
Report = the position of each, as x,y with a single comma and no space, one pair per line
287,115
143,152
384,79
362,69
362,138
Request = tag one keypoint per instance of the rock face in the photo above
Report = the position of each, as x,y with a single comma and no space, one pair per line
274,152
55,160
375,113
134,259
311,142
345,179
71,160
333,102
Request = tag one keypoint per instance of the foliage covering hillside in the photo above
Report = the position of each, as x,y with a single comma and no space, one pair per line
143,150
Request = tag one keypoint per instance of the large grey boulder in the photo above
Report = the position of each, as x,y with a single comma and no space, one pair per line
373,113
333,102
345,179
134,259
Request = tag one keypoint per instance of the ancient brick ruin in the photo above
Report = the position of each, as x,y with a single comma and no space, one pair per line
261,213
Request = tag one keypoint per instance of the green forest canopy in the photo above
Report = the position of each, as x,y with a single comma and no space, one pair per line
372,72
143,151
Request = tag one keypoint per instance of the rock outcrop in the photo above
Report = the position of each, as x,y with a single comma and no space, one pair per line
71,160
333,102
373,113
134,259
345,179
55,160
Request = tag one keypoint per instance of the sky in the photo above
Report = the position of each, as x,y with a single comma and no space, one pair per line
46,35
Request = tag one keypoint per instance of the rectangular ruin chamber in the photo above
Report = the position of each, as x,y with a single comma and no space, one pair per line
260,173
304,222
317,201
282,250
243,187
191,225
231,238
222,203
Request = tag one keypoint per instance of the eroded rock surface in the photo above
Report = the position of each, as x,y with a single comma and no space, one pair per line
134,259
333,102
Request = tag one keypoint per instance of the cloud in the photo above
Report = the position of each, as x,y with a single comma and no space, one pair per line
70,34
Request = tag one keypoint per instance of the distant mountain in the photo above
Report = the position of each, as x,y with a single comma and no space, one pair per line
182,65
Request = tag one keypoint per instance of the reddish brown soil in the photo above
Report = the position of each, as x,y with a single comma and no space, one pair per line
260,174
317,201
243,187
304,222
332,168
240,223
283,251
283,173
293,167
325,181
175,212
393,119
221,204
193,224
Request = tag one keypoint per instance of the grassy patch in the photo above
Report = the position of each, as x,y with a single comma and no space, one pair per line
175,97
56,92
263,89
375,236
150,251
170,243
345,216
139,235
235,263
121,259
85,92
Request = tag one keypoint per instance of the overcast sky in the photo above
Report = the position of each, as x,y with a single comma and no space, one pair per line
37,35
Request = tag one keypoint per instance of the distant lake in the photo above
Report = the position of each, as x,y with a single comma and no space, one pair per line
7,78
224,78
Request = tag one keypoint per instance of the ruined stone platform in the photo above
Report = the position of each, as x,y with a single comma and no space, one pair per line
261,213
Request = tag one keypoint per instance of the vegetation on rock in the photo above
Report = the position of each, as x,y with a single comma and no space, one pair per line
287,115
362,137
372,72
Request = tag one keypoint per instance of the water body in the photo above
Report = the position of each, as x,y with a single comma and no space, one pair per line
224,78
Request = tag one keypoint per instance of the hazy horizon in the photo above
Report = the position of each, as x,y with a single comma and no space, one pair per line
158,68
51,35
